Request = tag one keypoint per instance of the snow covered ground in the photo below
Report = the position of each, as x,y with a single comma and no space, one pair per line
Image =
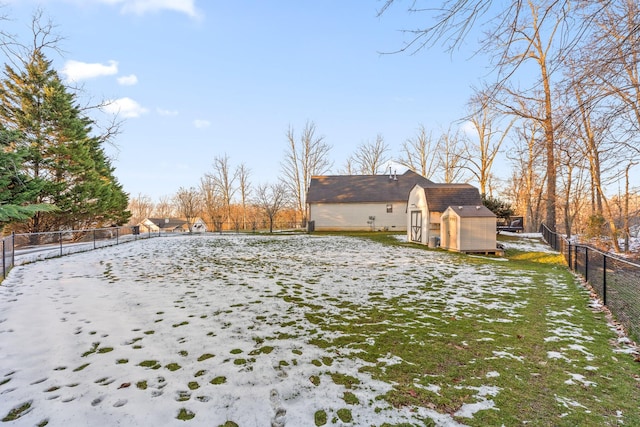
204,328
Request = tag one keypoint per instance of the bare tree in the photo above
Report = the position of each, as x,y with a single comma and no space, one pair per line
165,208
527,183
305,157
419,153
141,207
244,187
481,153
370,158
188,203
517,33
223,180
271,199
452,162
212,203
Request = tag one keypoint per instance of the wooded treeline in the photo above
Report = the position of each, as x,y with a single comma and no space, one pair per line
554,130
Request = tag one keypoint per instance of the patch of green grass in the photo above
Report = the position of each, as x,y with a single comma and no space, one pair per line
350,398
228,424
200,373
185,414
315,380
346,380
122,361
240,362
173,366
176,325
142,385
183,396
345,415
262,350
205,356
17,412
236,351
193,385
105,350
218,380
148,363
81,367
320,418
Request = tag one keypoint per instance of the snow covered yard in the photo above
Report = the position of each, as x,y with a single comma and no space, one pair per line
302,331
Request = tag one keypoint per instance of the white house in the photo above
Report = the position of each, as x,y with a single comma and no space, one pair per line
360,202
468,229
155,225
427,203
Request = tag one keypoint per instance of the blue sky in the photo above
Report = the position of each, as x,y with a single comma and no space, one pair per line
196,79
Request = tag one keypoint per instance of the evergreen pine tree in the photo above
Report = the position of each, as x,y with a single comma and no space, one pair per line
59,151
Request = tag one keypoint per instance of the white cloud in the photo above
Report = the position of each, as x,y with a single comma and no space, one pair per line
164,112
469,128
201,124
129,80
140,7
76,70
125,107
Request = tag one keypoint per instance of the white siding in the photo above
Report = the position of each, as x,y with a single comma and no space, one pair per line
354,216
468,234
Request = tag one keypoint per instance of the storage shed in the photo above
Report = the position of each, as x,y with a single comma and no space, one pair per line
469,229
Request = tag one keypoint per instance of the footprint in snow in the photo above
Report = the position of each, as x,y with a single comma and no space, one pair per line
279,417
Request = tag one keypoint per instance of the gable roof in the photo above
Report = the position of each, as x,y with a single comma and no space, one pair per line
168,223
475,211
363,188
440,196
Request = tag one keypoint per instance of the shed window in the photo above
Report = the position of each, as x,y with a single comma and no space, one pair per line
389,208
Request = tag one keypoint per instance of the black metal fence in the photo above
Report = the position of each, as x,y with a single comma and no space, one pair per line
28,247
615,280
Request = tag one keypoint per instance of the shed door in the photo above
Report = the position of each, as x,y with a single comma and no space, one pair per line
453,232
416,226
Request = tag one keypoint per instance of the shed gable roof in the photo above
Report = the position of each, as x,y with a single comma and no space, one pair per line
475,211
363,188
440,196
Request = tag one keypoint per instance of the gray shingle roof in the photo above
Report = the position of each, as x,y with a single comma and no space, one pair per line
440,196
475,211
363,188
168,223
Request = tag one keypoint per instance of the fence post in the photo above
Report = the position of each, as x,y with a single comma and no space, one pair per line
586,264
4,262
569,255
604,279
117,236
60,238
94,239
13,248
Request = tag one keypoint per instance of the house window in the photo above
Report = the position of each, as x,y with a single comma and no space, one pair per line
389,208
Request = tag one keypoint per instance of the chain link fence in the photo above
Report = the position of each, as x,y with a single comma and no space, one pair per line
615,280
21,248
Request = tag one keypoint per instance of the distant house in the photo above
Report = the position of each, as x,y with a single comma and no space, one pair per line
171,225
468,229
428,202
361,202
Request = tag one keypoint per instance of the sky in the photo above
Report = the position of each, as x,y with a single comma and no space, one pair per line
196,79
